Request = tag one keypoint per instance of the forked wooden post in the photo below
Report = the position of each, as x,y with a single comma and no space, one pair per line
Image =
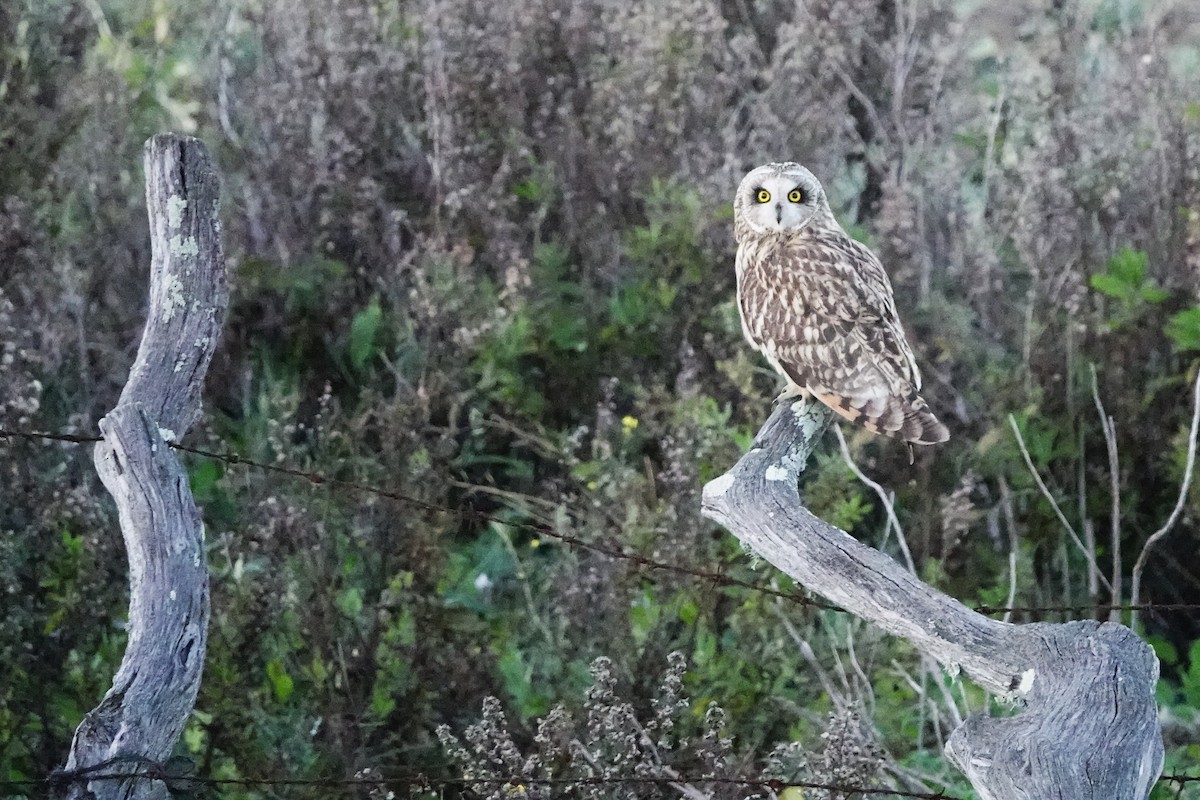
143,714
1086,723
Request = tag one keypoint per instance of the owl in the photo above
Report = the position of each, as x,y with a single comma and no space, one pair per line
819,306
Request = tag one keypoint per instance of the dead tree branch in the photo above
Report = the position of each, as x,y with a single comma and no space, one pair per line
143,714
1109,427
1087,726
1089,552
1184,487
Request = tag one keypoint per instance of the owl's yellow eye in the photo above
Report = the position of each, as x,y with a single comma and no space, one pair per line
796,196
764,196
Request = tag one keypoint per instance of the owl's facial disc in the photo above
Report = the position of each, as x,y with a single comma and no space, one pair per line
779,198
780,203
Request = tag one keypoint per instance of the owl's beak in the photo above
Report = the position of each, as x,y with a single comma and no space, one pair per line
779,213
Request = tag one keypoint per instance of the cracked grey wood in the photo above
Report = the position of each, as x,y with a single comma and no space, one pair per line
154,690
1085,725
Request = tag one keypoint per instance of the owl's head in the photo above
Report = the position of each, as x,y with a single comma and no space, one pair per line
778,198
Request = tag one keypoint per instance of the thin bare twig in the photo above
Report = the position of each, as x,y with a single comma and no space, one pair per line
523,577
1184,486
1037,478
836,697
689,791
989,153
888,506
505,494
1089,532
880,130
1013,545
866,690
1114,478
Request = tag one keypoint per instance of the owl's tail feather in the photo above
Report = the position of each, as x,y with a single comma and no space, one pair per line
907,418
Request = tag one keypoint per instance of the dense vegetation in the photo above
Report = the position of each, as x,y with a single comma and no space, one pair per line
483,257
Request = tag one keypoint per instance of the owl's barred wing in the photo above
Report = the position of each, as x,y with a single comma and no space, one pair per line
907,418
820,308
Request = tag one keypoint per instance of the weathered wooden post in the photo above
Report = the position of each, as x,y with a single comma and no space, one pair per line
1086,726
141,717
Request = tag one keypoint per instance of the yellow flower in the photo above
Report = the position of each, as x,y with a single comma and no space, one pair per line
629,424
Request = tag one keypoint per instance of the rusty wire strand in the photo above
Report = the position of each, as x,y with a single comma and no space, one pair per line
151,770
155,771
542,529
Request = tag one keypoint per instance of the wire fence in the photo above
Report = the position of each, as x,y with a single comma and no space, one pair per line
636,560
176,774
136,768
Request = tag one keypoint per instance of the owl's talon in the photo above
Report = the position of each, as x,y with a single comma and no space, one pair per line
789,394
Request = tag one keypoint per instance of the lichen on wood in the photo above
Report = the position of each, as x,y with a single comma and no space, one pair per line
1086,725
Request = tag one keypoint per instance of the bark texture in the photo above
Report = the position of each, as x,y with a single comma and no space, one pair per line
141,717
1086,722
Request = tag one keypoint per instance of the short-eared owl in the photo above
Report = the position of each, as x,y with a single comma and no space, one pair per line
819,306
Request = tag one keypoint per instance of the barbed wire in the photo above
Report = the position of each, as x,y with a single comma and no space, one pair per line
154,771
35,436
515,785
543,529
175,773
